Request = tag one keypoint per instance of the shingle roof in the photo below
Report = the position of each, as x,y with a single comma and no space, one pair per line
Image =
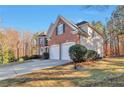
81,23
72,25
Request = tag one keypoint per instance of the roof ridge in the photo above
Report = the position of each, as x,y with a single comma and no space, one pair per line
69,21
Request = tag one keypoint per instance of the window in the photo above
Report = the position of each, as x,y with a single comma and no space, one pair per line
41,40
60,29
93,34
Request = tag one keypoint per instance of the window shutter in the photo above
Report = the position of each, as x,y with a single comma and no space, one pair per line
93,33
56,31
63,28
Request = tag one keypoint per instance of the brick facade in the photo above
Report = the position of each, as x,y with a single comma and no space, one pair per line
67,36
81,33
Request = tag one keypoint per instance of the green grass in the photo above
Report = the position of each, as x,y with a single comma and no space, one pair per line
109,72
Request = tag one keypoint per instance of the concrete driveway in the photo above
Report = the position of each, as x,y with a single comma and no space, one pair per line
24,68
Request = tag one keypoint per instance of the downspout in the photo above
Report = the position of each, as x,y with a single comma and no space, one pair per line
60,51
78,40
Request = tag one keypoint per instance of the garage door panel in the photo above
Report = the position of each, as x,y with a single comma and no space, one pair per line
54,52
65,50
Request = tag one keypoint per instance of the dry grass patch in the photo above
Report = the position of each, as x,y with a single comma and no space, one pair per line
57,74
116,59
100,73
47,83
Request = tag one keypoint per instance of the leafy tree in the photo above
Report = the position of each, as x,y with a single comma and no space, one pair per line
118,19
6,55
77,53
13,40
1,56
98,25
116,27
27,43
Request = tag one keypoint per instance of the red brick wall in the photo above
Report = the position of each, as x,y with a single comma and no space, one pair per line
67,36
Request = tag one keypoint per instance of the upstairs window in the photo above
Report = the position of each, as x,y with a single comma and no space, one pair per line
60,29
93,34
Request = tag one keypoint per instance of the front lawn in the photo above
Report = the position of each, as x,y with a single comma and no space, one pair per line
109,72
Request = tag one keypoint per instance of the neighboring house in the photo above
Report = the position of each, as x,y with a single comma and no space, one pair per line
63,34
41,43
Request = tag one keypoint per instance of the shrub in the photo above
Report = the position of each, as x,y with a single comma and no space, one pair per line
21,60
35,57
77,53
91,55
31,57
25,57
46,55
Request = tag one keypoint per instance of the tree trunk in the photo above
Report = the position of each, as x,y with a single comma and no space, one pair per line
17,53
75,65
105,49
118,46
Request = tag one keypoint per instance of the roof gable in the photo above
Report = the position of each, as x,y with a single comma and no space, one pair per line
53,26
71,25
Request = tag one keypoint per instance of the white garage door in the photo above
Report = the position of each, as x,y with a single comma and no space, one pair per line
54,52
65,50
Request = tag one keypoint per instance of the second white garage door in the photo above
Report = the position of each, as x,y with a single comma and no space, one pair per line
65,50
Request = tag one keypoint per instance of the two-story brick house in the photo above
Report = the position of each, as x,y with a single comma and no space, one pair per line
63,34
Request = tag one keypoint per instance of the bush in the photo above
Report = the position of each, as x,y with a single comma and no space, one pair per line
91,55
25,57
46,55
21,60
77,53
31,57
35,57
